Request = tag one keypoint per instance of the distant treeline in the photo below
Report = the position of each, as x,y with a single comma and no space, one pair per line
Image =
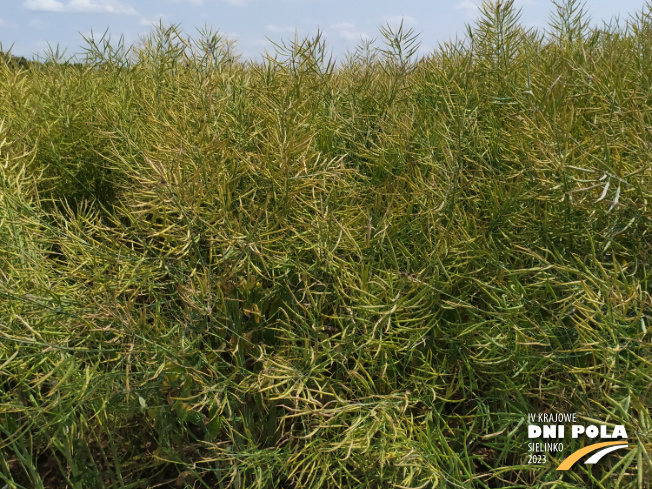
20,62
17,61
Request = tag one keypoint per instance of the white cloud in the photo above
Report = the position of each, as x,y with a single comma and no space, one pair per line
7,25
470,9
237,3
397,19
280,29
193,2
348,31
467,5
101,6
152,21
37,24
80,6
45,5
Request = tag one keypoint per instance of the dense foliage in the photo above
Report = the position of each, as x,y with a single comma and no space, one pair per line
297,273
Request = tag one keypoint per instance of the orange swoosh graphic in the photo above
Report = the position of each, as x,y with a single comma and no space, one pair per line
575,456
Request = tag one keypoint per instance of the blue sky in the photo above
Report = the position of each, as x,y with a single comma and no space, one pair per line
30,24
